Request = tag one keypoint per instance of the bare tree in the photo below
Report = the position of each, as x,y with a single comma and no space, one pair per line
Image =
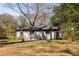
31,11
34,14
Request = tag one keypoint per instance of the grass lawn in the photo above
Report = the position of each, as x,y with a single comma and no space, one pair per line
41,48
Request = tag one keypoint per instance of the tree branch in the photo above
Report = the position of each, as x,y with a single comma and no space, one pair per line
24,14
36,14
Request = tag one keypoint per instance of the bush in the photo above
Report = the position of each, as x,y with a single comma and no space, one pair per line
75,36
14,39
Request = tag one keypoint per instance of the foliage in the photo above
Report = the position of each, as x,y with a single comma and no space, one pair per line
14,39
10,40
7,22
66,16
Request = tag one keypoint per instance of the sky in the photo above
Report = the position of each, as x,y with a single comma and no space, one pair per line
4,9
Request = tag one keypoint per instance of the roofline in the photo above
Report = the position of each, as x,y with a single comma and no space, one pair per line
38,30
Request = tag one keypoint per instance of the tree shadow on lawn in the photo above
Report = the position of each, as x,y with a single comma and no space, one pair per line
3,43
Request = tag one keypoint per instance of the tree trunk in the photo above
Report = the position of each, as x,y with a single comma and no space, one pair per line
22,38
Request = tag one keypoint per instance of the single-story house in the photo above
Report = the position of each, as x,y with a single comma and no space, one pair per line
35,33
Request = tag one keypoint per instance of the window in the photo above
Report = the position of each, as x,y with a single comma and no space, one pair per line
47,32
31,32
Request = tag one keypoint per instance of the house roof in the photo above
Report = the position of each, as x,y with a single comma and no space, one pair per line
39,29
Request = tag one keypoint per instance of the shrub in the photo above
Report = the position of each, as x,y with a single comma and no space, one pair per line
14,39
75,36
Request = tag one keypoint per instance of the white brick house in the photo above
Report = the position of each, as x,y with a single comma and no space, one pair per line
36,33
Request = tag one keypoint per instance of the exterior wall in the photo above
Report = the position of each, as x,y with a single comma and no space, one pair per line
26,36
37,35
44,37
52,35
18,34
56,35
48,36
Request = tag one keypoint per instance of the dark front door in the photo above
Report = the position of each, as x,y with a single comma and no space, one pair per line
56,35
